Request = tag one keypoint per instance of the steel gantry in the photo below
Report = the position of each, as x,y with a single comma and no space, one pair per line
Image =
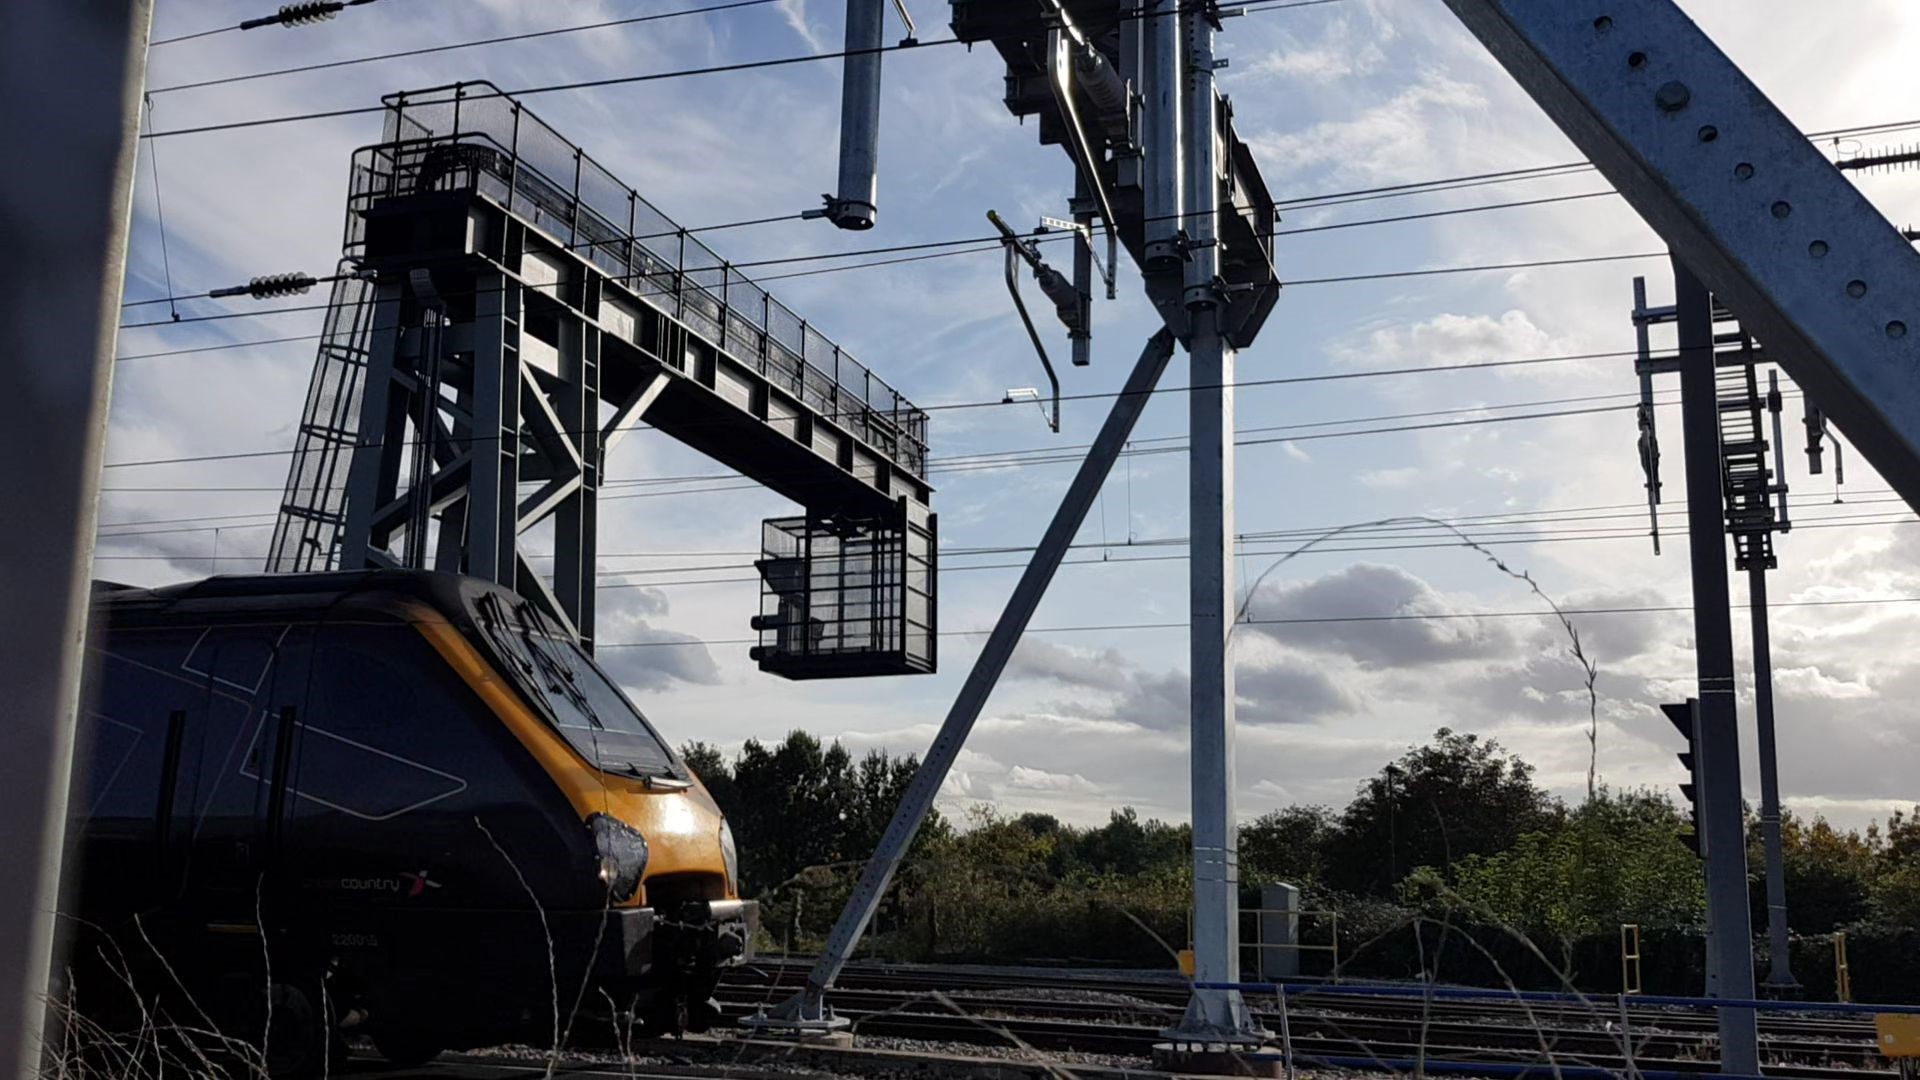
517,311
1753,492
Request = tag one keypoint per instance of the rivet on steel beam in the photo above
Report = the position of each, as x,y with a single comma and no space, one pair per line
1672,96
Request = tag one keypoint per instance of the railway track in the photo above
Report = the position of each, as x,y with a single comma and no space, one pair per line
1125,1014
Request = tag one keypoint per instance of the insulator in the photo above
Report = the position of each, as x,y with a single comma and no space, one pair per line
312,11
1097,77
272,285
303,14
1066,298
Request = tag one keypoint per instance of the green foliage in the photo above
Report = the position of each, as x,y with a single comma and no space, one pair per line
1615,859
801,806
1291,845
1453,798
1451,859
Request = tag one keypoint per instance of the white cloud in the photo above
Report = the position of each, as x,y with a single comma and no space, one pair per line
1389,478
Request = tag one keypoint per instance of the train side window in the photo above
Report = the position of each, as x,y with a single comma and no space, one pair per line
134,685
389,729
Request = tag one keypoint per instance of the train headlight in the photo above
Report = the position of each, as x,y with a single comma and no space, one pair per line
623,855
729,855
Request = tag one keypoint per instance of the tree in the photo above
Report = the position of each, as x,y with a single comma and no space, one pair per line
1616,858
1127,846
801,805
1829,874
1455,797
714,774
1289,845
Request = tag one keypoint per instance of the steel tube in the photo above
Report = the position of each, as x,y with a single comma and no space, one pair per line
857,200
1162,121
1199,194
1779,951
1212,1015
1730,954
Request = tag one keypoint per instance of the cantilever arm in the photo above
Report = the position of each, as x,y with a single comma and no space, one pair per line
1015,253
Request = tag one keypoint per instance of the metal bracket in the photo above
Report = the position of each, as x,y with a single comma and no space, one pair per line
1017,251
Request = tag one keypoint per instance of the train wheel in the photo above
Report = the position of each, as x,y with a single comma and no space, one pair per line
296,1035
406,1048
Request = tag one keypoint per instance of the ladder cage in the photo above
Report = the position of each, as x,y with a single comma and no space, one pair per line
843,597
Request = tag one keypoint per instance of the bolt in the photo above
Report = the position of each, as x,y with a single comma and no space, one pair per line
1672,96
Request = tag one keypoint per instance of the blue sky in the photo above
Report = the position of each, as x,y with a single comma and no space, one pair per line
1340,96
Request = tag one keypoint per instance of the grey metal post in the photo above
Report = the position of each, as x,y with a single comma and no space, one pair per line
1162,136
1779,958
808,1007
73,73
1213,1015
857,199
1730,955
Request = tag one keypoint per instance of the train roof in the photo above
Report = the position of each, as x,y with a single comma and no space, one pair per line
452,594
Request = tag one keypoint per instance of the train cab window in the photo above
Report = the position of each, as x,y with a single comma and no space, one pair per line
579,699
389,730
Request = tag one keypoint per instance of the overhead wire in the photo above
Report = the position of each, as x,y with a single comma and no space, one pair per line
1644,609
980,403
401,54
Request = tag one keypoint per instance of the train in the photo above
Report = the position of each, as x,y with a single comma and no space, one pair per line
397,803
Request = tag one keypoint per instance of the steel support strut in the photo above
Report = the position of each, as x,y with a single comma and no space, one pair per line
808,1010
1786,241
1730,948
1779,950
74,72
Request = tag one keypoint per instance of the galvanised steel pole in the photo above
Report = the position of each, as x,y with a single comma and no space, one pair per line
1779,954
1730,953
71,74
1213,1015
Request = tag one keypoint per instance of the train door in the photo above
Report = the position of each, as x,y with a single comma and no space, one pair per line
229,787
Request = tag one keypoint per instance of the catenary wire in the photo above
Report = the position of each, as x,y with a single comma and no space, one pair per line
431,49
1647,609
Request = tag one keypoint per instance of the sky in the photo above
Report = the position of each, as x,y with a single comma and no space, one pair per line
1336,97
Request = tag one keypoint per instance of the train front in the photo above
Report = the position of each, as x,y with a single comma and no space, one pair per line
660,847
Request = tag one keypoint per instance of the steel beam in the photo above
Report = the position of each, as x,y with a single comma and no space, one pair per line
73,74
1779,951
1786,241
808,1008
1730,952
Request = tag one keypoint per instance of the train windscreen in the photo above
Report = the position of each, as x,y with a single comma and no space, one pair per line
575,694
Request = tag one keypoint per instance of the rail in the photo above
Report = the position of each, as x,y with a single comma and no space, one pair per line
472,137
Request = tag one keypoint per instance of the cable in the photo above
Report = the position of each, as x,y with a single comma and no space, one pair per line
1439,270
159,212
191,37
1435,271
1321,620
328,65
1429,542
241,455
585,84
997,403
1442,213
